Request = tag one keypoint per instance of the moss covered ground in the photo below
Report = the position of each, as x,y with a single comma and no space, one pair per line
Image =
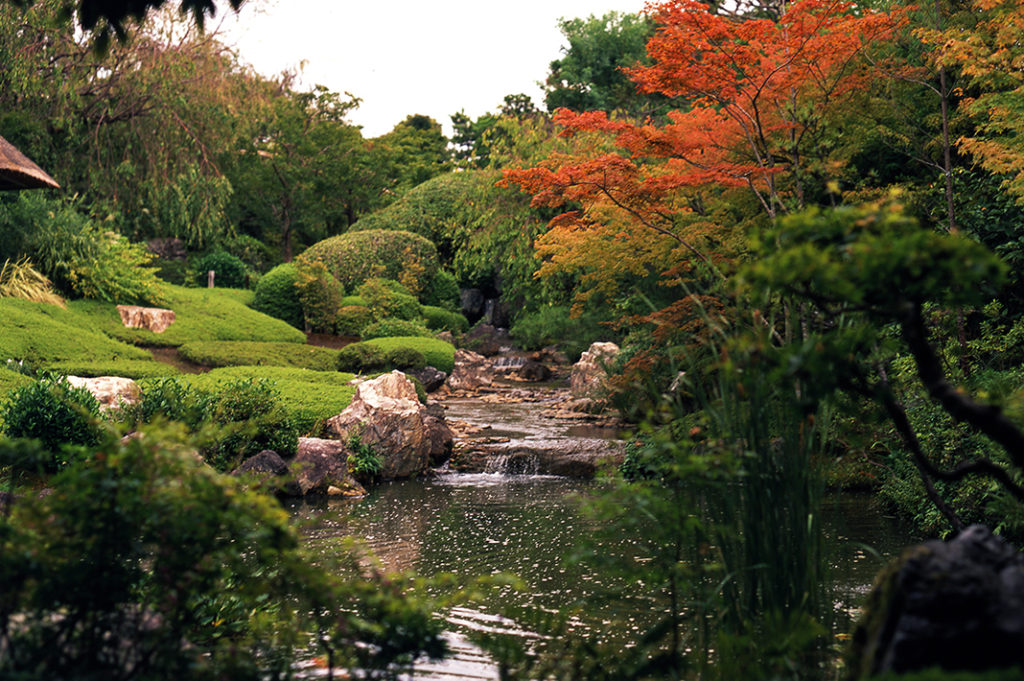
255,353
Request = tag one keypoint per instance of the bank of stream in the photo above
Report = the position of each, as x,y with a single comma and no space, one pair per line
496,522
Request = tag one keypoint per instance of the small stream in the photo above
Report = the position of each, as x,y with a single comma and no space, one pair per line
489,523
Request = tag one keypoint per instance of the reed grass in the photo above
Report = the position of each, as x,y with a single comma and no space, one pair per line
19,279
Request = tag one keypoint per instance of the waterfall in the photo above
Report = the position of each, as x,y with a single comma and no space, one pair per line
514,463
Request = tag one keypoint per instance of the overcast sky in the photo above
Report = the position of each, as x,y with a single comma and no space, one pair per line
400,58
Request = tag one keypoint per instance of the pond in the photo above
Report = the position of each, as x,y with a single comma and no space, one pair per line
484,524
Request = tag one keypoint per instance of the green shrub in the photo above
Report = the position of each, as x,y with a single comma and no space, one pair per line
354,257
53,412
254,353
277,296
320,295
405,359
364,463
128,368
440,319
352,319
387,298
395,327
555,325
354,300
117,272
229,271
311,397
439,354
361,358
256,255
442,291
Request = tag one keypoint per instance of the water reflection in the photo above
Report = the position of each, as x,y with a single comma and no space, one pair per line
486,524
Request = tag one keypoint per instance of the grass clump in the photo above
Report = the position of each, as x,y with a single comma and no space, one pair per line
255,353
201,315
20,280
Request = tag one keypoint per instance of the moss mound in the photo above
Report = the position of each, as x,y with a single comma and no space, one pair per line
254,353
128,368
354,257
439,354
202,315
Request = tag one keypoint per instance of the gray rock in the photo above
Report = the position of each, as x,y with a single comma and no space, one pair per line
958,605
270,471
472,371
321,467
472,301
534,371
439,435
110,391
589,375
431,378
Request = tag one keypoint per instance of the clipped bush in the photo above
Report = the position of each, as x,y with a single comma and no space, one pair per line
352,319
395,327
361,358
277,296
442,291
254,353
229,271
405,359
389,299
320,295
440,319
52,411
439,354
354,301
354,257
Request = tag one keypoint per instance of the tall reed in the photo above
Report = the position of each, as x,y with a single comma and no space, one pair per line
20,279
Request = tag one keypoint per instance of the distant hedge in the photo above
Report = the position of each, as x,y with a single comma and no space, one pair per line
355,257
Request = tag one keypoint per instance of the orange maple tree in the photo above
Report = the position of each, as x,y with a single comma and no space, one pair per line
755,95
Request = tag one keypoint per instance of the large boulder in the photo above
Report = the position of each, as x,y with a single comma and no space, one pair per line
153,318
589,375
958,605
270,472
321,467
387,415
110,391
471,372
439,435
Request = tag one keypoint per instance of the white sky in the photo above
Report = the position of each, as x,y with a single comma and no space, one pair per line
429,57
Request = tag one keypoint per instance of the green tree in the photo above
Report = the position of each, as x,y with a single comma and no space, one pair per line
415,151
590,75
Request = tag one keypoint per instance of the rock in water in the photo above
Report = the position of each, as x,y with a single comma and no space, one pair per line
321,467
958,605
109,391
386,414
472,371
153,318
589,375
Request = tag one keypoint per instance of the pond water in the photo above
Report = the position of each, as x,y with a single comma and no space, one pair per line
489,523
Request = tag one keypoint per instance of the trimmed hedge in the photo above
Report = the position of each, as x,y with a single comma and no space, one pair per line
276,295
255,353
387,298
395,327
354,257
311,397
128,368
229,271
202,314
439,354
440,319
352,319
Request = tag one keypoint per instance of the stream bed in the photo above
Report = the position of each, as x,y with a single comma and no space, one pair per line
490,523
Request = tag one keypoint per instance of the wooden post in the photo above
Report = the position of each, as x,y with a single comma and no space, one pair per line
209,279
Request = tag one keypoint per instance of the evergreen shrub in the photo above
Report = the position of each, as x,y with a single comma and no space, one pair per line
354,257
352,319
320,294
277,296
405,359
361,358
387,298
440,319
229,271
395,327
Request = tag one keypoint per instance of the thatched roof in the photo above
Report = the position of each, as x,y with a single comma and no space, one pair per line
18,172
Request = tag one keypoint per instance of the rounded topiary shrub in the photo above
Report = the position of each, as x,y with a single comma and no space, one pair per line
229,271
440,319
395,327
52,411
352,319
354,257
320,294
405,359
389,299
361,358
277,296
